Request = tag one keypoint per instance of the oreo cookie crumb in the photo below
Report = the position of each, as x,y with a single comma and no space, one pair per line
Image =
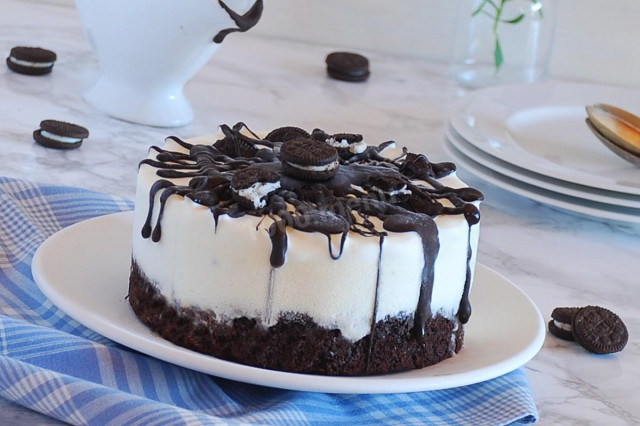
386,184
321,221
31,60
347,66
60,135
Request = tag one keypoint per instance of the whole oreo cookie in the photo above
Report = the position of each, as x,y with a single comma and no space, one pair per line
60,135
283,134
309,159
599,330
561,323
252,186
31,60
347,66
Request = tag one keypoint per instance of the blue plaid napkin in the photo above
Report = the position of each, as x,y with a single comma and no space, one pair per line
54,365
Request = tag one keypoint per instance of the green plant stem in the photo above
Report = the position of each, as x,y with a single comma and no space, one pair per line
497,19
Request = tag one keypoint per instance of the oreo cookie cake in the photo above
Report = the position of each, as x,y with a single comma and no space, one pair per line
304,252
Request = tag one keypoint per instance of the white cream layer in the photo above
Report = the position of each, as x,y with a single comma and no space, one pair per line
322,168
354,148
30,63
401,191
58,138
562,325
255,192
228,270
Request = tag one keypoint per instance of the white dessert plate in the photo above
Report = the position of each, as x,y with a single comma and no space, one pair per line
541,128
83,269
541,181
553,199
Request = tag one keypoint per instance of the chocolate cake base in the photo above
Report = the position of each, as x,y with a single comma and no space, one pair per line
295,343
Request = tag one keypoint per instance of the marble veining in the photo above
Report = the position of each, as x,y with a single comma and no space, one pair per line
557,258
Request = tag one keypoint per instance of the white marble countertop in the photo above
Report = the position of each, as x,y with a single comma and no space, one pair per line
557,258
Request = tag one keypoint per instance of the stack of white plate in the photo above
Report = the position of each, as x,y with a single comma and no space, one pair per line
533,140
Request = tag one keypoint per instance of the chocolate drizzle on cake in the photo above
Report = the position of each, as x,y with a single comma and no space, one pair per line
426,228
278,235
404,193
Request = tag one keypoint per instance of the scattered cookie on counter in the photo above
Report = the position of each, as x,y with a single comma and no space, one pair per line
560,324
31,60
599,330
596,329
347,66
60,135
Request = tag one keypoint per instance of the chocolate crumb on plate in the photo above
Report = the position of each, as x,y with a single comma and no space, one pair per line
60,135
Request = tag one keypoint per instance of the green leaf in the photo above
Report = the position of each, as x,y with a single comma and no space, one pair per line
498,55
514,20
479,9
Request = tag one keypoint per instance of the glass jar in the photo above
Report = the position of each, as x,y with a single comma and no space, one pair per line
502,41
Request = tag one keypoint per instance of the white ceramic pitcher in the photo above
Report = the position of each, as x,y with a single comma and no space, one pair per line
148,49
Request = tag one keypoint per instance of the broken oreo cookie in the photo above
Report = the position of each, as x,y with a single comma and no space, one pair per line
309,159
60,135
347,66
599,330
347,144
251,186
391,188
31,60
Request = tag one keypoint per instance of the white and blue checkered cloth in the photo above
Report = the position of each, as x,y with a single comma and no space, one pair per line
54,365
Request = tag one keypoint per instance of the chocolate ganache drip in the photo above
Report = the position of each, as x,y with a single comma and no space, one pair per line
404,193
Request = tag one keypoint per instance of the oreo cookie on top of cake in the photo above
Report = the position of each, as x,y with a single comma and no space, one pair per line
304,251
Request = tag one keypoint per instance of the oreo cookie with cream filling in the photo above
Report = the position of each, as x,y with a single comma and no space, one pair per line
309,159
347,144
252,186
599,330
561,323
347,66
31,60
60,135
391,188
